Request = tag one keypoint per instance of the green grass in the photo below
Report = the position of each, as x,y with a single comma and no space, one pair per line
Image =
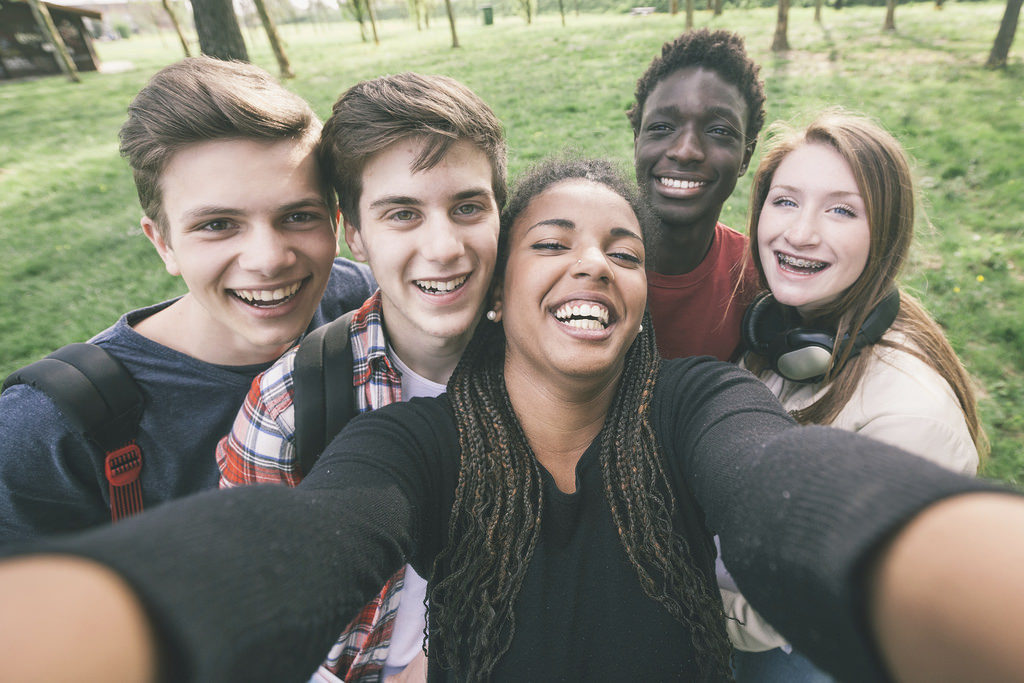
72,257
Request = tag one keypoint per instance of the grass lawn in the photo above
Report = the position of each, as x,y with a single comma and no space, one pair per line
72,256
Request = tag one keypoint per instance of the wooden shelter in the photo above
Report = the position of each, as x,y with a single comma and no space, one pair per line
25,51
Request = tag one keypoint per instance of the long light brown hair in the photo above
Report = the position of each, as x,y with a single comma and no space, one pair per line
883,176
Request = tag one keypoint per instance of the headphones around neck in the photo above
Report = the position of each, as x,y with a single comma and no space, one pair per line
803,354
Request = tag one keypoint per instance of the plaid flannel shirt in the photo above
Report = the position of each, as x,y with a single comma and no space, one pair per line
261,449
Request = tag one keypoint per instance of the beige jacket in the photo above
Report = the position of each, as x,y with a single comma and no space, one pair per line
901,401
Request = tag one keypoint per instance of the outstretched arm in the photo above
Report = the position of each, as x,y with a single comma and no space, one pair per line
246,584
946,602
947,594
66,618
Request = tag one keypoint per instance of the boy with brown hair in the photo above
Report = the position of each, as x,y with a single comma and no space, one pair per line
224,161
418,163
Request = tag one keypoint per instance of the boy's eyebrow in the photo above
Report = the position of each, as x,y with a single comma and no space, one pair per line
203,211
392,200
304,203
214,210
723,112
473,192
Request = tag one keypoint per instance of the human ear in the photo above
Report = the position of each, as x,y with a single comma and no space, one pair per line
747,154
163,247
354,240
495,296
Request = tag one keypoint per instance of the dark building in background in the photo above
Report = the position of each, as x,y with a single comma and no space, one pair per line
25,51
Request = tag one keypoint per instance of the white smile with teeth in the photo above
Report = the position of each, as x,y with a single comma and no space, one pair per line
441,286
587,316
682,184
792,262
267,297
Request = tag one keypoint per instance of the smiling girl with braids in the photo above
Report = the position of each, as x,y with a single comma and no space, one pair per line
504,435
560,499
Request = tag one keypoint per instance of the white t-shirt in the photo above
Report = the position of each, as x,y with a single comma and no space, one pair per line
407,633
411,616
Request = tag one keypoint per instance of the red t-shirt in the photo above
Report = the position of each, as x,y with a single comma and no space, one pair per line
695,314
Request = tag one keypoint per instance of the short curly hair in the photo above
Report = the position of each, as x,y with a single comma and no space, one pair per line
720,51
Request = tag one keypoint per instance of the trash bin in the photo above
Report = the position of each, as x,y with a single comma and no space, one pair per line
488,15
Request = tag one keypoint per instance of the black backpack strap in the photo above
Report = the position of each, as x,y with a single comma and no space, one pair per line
322,384
99,398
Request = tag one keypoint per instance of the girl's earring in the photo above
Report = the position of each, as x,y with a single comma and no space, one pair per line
641,328
492,315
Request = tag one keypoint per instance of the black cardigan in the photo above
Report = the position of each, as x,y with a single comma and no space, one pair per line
255,583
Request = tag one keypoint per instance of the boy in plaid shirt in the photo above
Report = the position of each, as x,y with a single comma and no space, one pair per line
418,163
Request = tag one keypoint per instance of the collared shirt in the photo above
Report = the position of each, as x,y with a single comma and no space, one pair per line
261,449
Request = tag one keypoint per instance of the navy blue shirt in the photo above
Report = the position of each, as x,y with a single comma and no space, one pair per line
52,478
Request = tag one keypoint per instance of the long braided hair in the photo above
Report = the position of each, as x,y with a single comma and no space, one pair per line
496,517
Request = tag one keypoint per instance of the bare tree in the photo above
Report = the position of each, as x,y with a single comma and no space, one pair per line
373,20
218,30
718,8
355,7
451,22
49,29
177,26
416,11
689,14
275,40
673,7
1004,38
527,7
561,10
890,16
780,43
817,11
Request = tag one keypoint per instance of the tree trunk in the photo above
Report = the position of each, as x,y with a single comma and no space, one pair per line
177,26
1004,38
416,9
890,16
357,12
781,43
561,10
373,21
49,29
275,40
689,14
817,11
451,22
718,8
218,30
673,7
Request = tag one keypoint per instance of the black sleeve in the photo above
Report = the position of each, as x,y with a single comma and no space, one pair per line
255,583
800,510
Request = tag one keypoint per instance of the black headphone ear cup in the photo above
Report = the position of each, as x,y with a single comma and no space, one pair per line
802,354
753,318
